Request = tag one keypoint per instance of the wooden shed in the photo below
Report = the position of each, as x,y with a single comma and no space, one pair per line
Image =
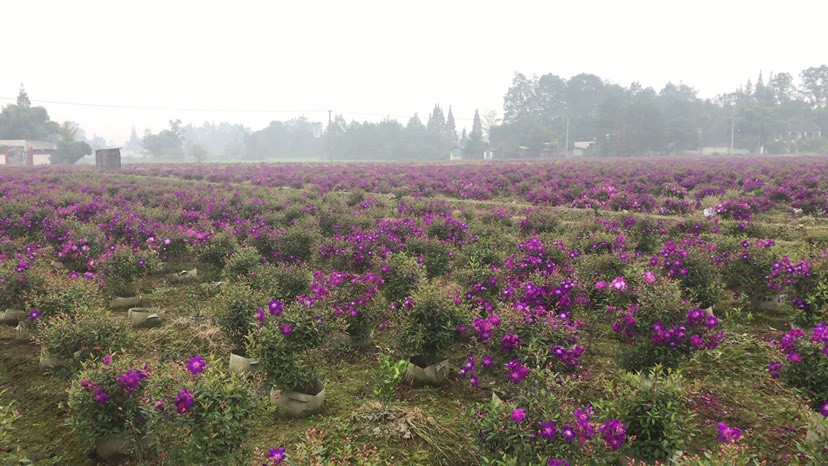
108,159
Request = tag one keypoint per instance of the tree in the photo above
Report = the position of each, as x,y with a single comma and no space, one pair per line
451,127
519,101
33,123
69,151
23,98
437,122
475,145
167,143
815,85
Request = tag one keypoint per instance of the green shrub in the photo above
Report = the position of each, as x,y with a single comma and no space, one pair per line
437,256
123,269
94,333
65,295
429,327
10,452
99,404
218,250
656,412
234,312
214,429
402,275
703,280
281,281
241,263
285,343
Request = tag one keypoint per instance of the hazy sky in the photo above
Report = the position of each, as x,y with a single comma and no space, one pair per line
115,64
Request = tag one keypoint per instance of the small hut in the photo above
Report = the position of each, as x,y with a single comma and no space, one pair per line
108,159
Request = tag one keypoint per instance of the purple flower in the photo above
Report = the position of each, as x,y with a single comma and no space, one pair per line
601,286
548,430
196,365
100,396
276,456
487,361
794,358
649,277
552,462
728,434
107,360
129,382
34,314
712,322
568,434
474,381
774,368
275,307
614,434
824,410
184,401
285,329
509,342
618,284
260,315
518,416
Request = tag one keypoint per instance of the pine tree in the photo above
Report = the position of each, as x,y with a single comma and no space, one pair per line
23,98
475,146
436,122
451,128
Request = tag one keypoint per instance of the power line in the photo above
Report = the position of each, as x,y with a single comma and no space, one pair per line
176,109
186,109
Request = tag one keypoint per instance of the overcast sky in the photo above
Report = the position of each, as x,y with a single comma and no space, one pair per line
109,65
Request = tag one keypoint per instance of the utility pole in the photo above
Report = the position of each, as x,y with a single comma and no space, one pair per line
330,136
731,136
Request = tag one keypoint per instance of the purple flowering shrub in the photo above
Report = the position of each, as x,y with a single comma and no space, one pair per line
199,413
60,294
106,396
543,420
655,410
123,269
661,327
288,338
20,275
351,298
746,265
805,363
402,275
806,285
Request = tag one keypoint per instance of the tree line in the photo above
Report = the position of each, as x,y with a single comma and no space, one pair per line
542,116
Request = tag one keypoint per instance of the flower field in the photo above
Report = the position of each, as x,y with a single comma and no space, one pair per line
644,311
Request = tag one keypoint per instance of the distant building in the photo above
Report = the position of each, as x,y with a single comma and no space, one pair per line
108,159
26,152
581,148
806,130
457,153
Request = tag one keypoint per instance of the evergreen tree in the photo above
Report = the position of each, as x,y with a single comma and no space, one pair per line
436,122
451,127
23,98
474,148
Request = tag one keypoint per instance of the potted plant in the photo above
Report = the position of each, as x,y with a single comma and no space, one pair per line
284,345
353,299
89,334
235,311
104,405
429,326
